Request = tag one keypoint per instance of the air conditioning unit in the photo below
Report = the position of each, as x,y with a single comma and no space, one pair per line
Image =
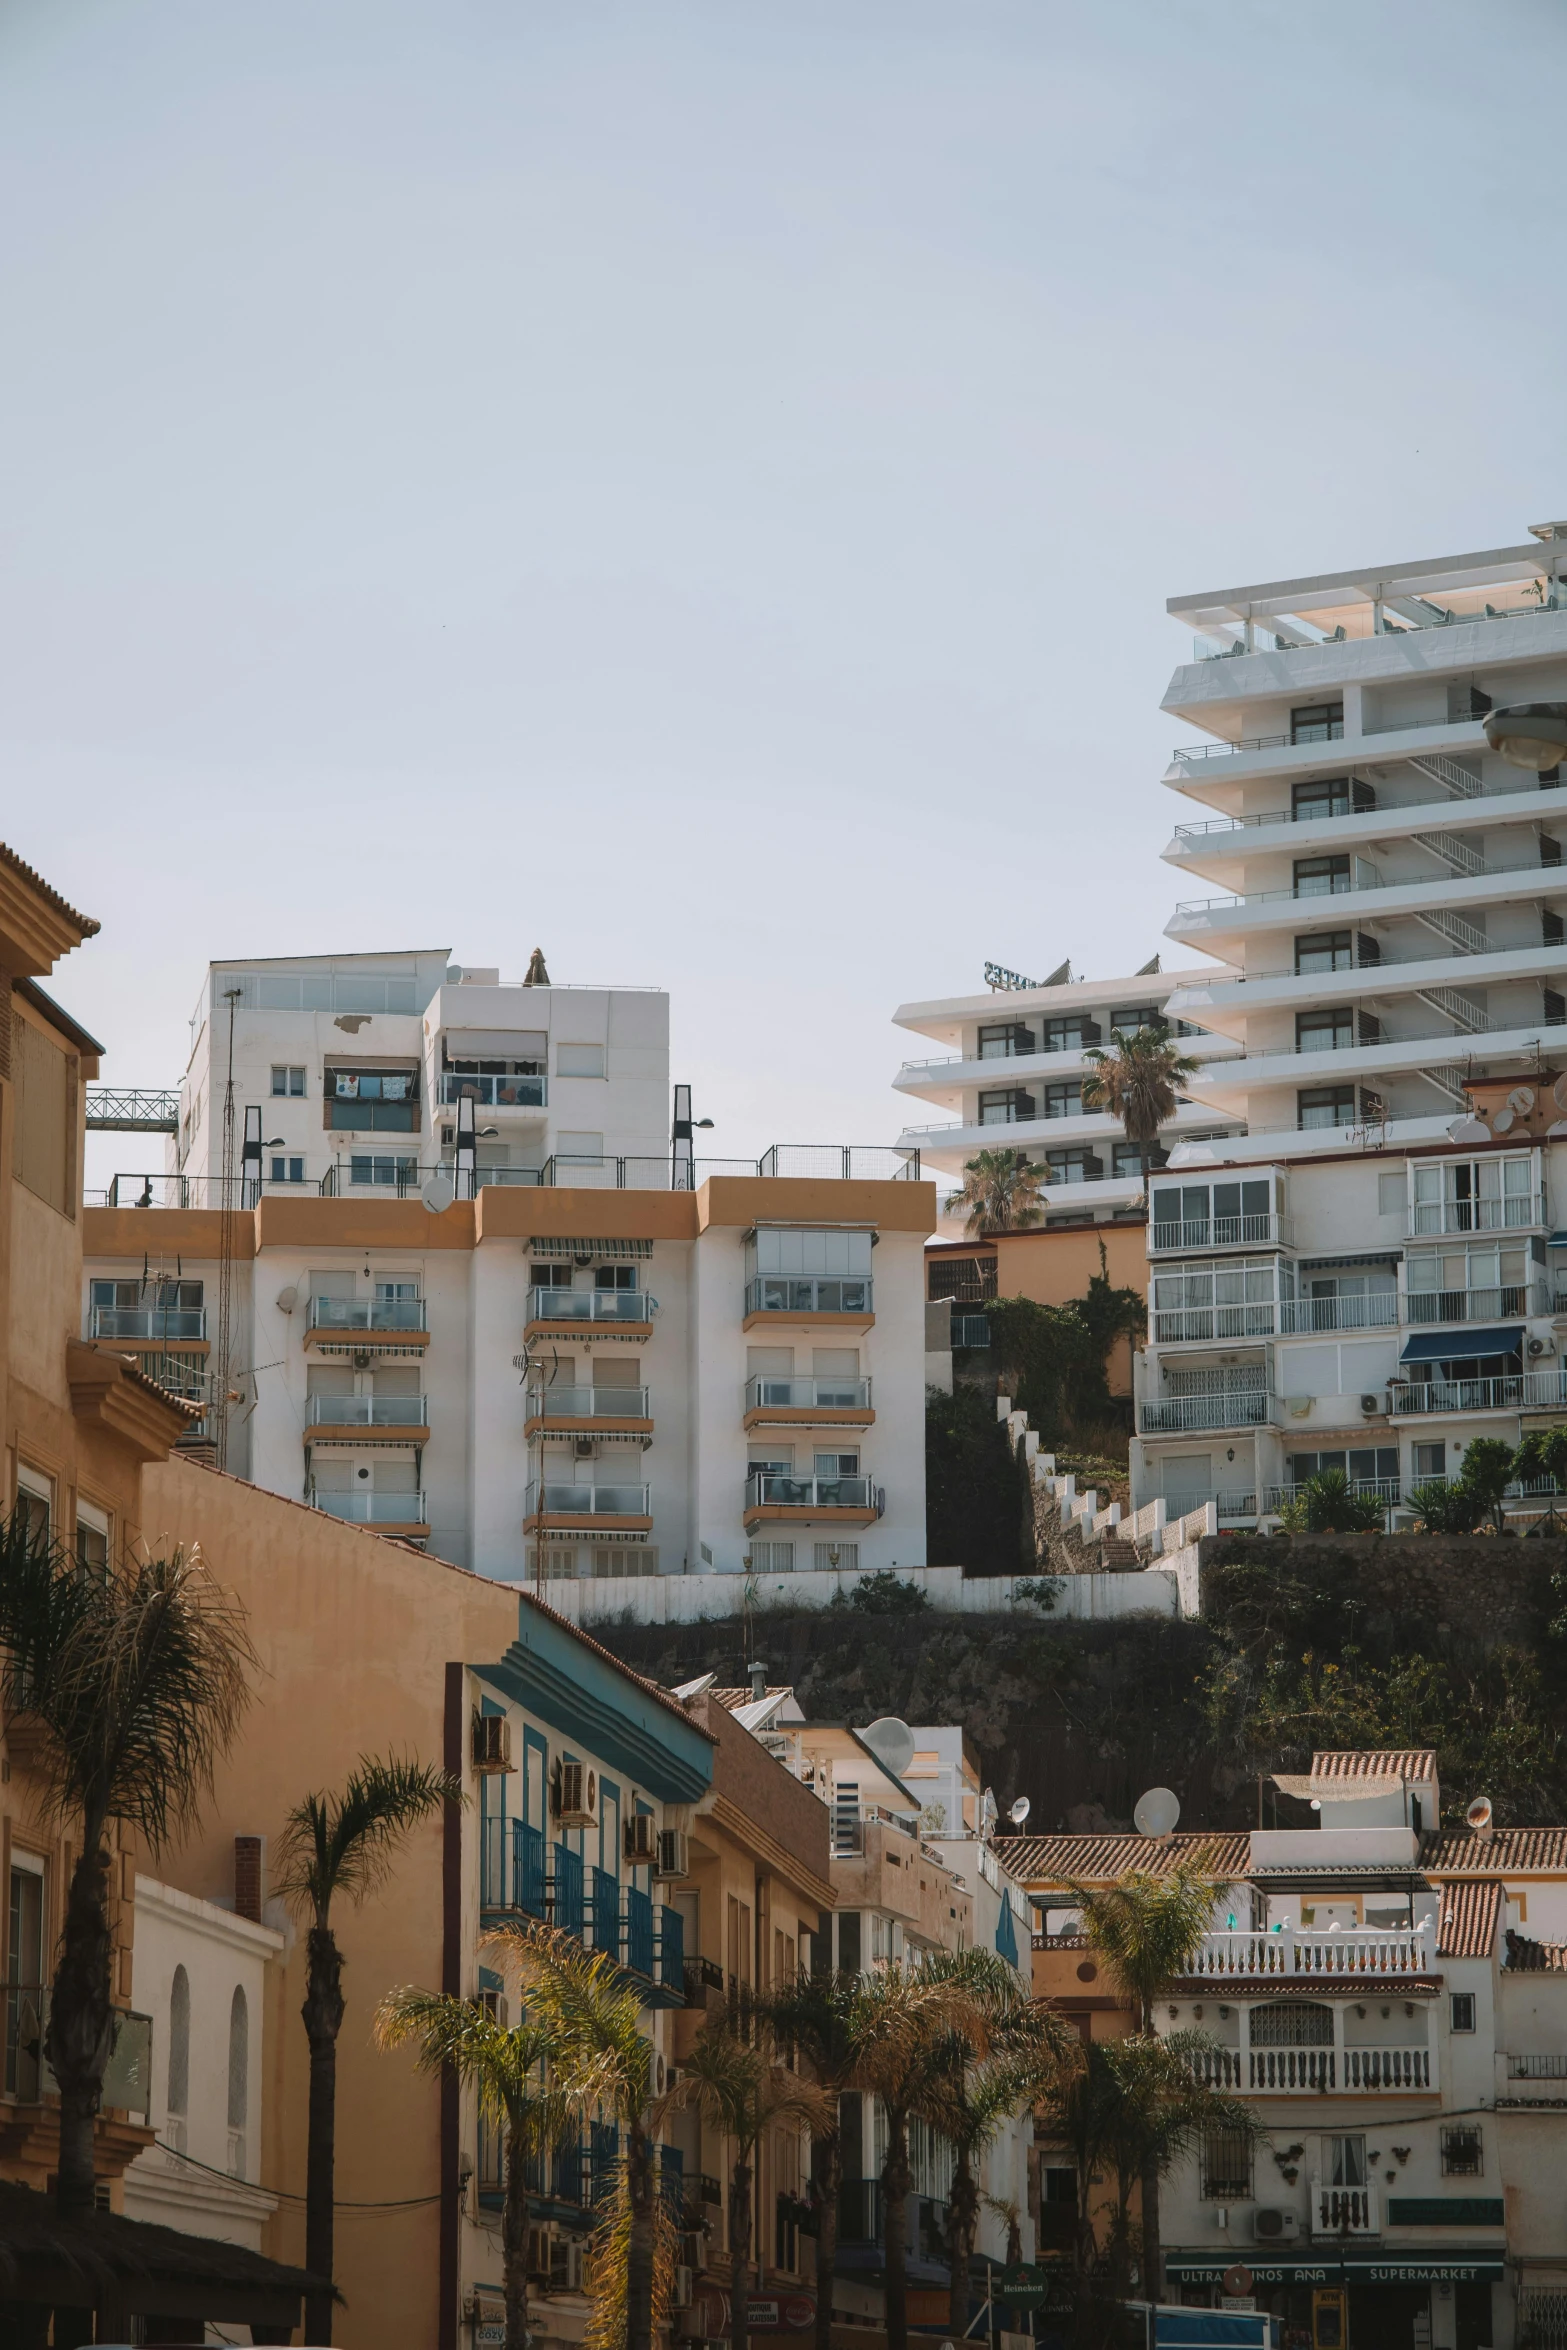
696,2251
684,2286
576,1792
640,1838
1271,2226
1542,1346
565,2264
674,1856
538,2256
658,2073
1373,1403
490,1743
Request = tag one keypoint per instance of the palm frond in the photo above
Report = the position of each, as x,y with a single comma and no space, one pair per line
740,2085
138,1675
508,2066
584,2002
345,1842
1147,1929
609,2264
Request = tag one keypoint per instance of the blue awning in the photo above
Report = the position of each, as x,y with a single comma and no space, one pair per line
1461,1346
1557,1240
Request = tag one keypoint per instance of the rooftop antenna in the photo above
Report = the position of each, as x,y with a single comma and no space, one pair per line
220,1384
1018,1815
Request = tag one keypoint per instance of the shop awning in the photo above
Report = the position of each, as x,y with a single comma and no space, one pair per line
126,2267
1461,1346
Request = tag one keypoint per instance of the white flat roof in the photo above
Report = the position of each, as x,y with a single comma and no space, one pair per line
1369,582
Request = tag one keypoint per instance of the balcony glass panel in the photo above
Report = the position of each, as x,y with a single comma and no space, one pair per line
369,1508
495,1093
773,1295
828,1395
769,1486
1213,1215
588,1403
367,1313
588,1305
588,1501
368,1411
149,1322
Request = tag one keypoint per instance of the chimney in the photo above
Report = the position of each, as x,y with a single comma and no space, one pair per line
249,1859
758,1678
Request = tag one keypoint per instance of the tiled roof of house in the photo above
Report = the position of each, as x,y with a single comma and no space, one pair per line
1528,1957
1459,1851
1467,1926
1100,1858
24,872
1355,1764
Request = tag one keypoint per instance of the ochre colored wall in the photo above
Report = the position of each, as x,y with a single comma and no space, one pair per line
1052,1268
353,1634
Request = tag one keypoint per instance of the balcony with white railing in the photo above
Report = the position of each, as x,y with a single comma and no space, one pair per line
569,1407
769,1494
407,1513
628,1309
148,1325
833,1401
591,1508
1298,1950
372,1315
385,1415
1327,2070
1374,1310
1344,2211
1525,1390
1167,1235
1245,1407
1496,1304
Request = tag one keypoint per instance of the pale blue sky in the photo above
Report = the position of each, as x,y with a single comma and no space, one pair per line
695,486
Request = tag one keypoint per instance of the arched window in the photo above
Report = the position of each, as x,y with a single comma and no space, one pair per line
239,2079
1292,2023
179,2057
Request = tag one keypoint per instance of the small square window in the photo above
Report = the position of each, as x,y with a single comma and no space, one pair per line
1463,2151
1461,2011
287,1078
829,1557
579,1060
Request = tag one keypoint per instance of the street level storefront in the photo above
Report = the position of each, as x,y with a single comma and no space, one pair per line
1397,2300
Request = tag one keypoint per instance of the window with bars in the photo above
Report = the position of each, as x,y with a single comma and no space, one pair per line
1463,2151
1226,2164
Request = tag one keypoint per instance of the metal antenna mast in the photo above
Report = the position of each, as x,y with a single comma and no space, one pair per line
220,1383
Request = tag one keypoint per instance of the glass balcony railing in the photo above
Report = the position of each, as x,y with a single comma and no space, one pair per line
371,1508
154,1323
769,1489
586,1501
587,1403
589,1305
772,1294
495,1093
127,2077
369,1411
796,1395
366,1313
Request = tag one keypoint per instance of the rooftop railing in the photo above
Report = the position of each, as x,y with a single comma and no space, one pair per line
1206,648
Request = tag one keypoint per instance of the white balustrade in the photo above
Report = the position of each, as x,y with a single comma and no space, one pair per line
1293,1950
1343,2211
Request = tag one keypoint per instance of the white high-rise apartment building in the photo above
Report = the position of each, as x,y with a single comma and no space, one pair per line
1014,1072
359,1066
1365,1276
582,1357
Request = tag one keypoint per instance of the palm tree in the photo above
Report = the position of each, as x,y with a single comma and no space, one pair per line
135,1676
1147,1930
342,1844
820,2016
909,2015
1137,1082
603,2062
736,2081
513,2071
970,2100
1001,1193
1159,2108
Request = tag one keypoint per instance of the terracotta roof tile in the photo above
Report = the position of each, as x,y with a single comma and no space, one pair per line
1356,1763
82,922
1459,1851
1467,1926
1058,1860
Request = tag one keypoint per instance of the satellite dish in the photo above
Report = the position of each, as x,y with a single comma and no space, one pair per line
1468,1130
287,1299
1021,1809
1478,1815
438,1194
1156,1812
891,1742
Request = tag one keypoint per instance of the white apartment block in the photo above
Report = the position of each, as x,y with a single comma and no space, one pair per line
1014,1074
360,1067
1366,1275
554,1382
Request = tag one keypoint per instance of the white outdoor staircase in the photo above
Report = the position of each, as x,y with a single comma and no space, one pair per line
1450,1081
1453,779
1457,932
1454,853
1466,1015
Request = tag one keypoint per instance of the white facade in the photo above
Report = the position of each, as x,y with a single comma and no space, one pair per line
1016,1074
358,1064
1364,1277
200,1973
563,1382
